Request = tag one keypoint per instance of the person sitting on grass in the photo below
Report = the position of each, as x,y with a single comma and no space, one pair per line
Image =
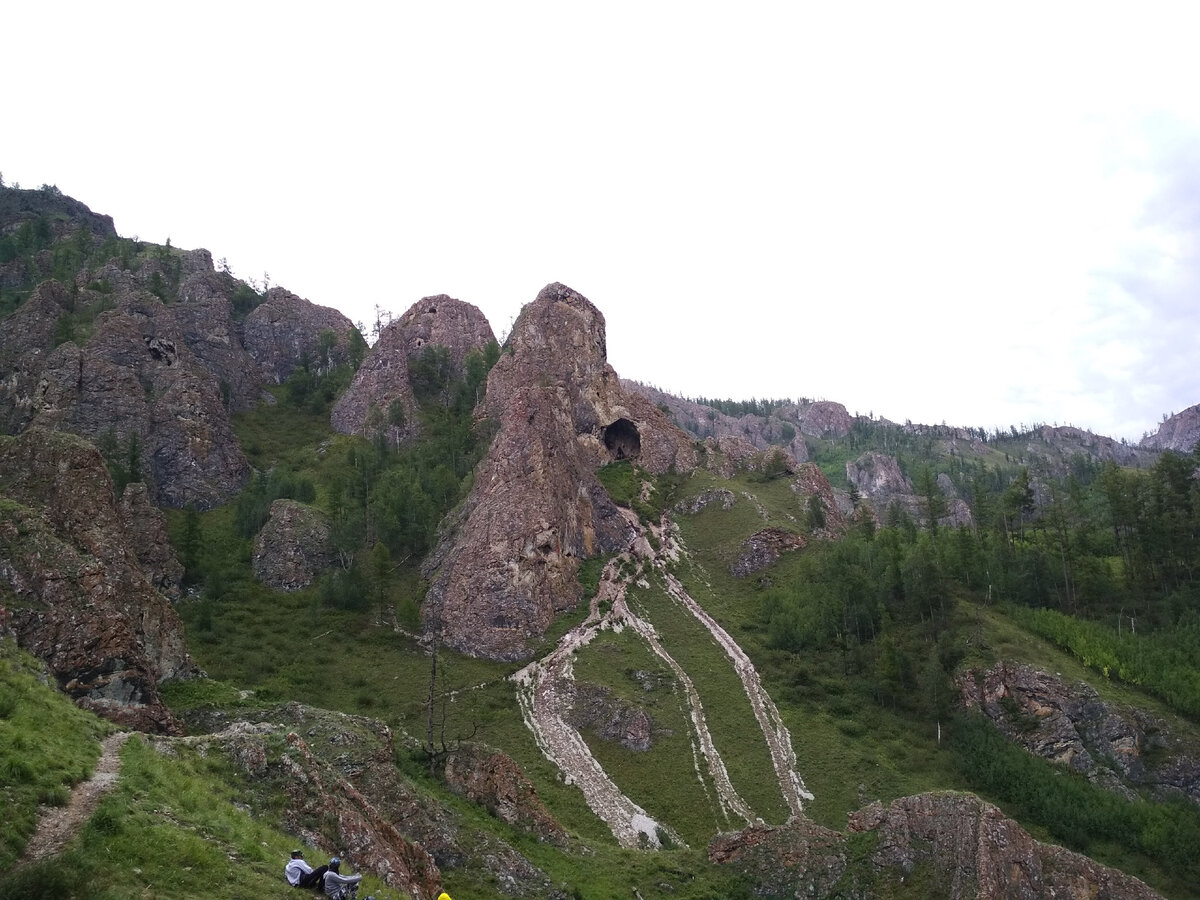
339,886
300,874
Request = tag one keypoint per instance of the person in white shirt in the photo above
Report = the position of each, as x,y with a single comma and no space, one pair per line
300,874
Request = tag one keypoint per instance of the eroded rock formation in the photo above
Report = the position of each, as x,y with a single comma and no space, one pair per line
941,845
70,577
1179,432
507,564
285,332
1068,723
344,791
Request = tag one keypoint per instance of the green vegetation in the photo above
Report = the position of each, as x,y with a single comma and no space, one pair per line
47,745
176,826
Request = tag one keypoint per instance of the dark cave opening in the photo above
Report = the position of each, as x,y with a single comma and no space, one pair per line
622,440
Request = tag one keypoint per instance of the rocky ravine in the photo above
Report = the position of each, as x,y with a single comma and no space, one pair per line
507,562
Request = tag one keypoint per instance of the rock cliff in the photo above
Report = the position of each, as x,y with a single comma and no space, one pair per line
507,562
71,579
133,379
1179,432
285,332
942,845
878,479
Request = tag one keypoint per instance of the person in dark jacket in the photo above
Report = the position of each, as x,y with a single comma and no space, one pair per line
339,886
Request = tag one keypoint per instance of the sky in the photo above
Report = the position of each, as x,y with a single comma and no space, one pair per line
975,214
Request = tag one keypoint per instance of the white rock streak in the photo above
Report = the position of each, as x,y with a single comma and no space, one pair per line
544,695
778,738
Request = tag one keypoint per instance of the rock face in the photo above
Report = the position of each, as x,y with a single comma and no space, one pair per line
931,845
784,428
1069,724
1179,433
293,547
493,780
70,577
442,321
205,317
507,564
879,480
285,332
146,528
381,397
343,790
134,380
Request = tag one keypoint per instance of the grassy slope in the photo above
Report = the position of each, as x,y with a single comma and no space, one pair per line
848,752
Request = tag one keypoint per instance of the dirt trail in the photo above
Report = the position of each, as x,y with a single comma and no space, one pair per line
58,825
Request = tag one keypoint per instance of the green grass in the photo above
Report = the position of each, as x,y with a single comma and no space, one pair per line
735,731
47,745
174,827
662,780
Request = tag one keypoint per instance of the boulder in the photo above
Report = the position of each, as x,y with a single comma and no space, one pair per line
293,547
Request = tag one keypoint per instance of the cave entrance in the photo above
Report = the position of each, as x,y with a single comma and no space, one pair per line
622,440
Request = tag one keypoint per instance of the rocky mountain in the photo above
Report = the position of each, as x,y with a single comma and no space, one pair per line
1179,432
736,676
509,559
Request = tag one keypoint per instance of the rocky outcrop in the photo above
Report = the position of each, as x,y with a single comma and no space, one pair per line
146,528
692,505
205,316
762,550
70,577
442,321
343,791
941,845
134,380
880,482
285,332
293,547
594,708
1179,432
1118,748
494,781
507,562
381,398
784,428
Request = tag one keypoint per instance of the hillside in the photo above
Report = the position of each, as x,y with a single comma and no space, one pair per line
492,620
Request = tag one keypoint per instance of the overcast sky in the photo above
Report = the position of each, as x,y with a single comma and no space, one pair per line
928,212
